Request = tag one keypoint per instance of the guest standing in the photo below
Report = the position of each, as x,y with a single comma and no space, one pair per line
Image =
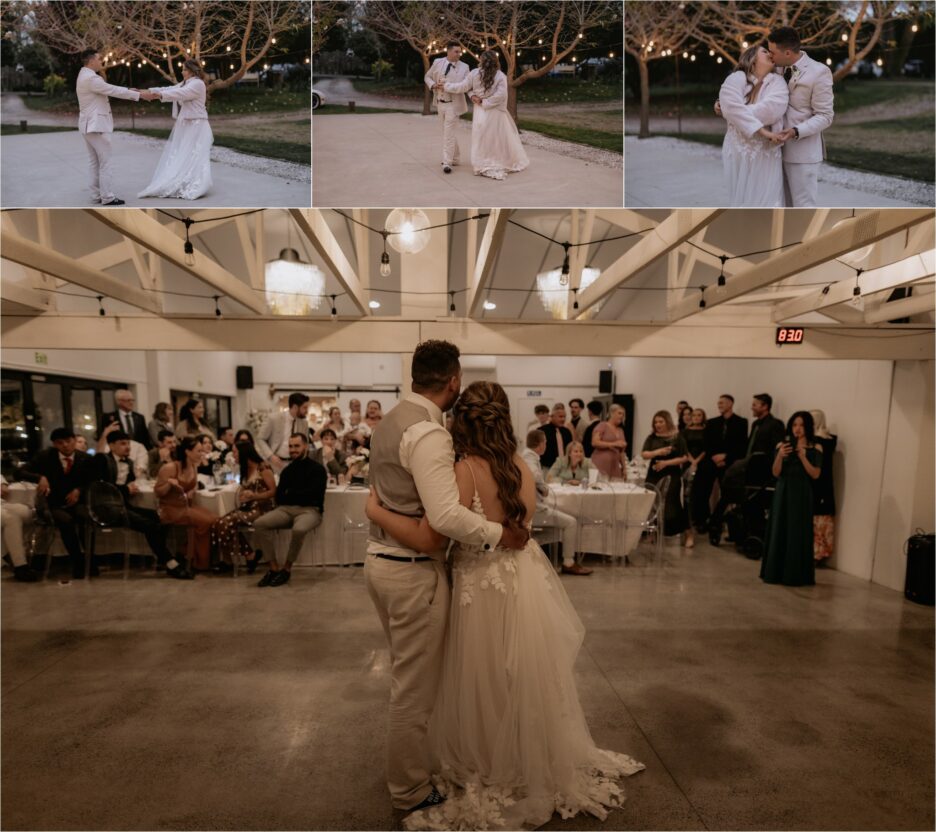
571,469
610,445
273,438
696,498
255,497
594,410
540,417
558,436
129,421
667,453
797,464
685,418
577,419
162,420
374,414
175,494
824,493
192,420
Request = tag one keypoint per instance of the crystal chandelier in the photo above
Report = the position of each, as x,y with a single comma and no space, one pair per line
293,287
554,294
408,230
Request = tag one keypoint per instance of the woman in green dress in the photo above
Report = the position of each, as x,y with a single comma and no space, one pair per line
665,450
789,558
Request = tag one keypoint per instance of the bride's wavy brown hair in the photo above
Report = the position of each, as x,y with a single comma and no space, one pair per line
489,64
482,428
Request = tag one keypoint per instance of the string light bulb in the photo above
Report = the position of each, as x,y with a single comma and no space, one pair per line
188,248
452,302
720,287
334,309
575,301
217,307
564,274
100,300
384,258
702,299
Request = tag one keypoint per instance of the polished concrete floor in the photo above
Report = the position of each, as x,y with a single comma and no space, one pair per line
155,704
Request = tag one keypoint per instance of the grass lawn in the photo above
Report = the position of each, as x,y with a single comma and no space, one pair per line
848,148
537,91
14,129
241,101
269,148
333,109
580,135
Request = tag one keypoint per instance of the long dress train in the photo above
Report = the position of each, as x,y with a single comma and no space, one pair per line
508,734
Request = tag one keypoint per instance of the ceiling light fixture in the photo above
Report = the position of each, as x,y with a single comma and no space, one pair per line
407,230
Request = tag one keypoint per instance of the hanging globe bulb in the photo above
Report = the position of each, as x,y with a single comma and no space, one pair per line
408,230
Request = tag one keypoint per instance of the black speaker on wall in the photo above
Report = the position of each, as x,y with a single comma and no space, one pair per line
605,381
245,378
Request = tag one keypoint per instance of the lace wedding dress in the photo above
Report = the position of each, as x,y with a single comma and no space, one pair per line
496,149
753,167
508,734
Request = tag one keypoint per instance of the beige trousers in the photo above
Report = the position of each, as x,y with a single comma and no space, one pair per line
99,157
412,600
801,184
13,517
450,152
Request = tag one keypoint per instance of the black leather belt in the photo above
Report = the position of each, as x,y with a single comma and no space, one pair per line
402,559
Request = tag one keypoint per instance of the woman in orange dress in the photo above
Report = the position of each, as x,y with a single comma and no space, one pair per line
175,493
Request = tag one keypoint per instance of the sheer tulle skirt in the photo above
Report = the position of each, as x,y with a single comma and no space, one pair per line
496,149
508,734
184,169
753,170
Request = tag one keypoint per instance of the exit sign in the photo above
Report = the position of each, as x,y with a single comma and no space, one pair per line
532,394
42,358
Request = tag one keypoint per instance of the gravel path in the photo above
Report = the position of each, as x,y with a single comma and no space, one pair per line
583,152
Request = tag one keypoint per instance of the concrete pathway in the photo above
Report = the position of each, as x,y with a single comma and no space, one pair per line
672,173
393,159
50,170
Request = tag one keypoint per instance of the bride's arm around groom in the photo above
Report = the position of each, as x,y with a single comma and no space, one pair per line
766,112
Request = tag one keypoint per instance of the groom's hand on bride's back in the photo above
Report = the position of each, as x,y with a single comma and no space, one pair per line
514,536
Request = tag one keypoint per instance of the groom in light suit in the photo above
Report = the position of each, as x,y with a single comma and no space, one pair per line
96,123
809,113
450,106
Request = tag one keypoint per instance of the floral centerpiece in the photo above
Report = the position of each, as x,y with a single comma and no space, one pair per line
222,462
358,465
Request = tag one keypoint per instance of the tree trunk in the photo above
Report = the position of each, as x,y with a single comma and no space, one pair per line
644,100
427,93
896,59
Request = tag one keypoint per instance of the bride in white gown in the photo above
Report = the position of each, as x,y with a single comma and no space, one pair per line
184,169
753,101
507,737
496,149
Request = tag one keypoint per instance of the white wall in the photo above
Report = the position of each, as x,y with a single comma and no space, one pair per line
907,485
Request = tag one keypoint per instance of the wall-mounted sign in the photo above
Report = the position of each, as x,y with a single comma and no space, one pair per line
42,358
790,334
532,394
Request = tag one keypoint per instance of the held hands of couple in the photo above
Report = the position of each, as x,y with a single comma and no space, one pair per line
146,95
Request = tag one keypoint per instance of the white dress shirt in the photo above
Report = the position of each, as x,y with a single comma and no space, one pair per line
273,439
532,460
427,453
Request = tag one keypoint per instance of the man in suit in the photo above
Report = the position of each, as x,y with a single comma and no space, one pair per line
116,467
558,436
595,410
96,123
63,475
273,439
725,444
810,111
131,423
450,106
159,456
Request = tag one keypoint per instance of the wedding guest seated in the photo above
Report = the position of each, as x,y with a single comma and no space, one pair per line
356,425
335,422
63,474
164,452
116,467
226,435
571,469
354,407
13,517
595,410
374,414
609,444
330,456
175,492
546,516
558,436
207,445
81,443
192,420
255,497
162,420
540,417
139,456
230,457
300,503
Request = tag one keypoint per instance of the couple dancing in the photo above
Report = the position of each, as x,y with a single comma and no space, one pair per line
777,102
485,726
184,170
496,149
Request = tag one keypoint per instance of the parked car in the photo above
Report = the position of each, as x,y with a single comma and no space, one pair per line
317,99
914,68
864,69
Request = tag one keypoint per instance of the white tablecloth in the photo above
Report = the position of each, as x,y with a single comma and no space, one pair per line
622,506
342,537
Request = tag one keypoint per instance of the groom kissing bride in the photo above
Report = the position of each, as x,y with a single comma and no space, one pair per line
496,149
184,169
777,103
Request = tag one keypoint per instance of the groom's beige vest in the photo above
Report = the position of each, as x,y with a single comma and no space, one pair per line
394,484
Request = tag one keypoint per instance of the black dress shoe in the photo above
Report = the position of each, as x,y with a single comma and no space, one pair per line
434,799
446,168
25,574
267,579
280,578
180,573
254,563
114,202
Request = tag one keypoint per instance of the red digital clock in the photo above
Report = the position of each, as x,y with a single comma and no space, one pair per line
790,334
